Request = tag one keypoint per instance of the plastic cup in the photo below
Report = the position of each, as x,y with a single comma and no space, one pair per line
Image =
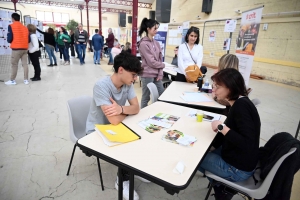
199,116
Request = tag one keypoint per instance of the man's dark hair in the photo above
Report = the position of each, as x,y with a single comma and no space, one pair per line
233,80
96,30
195,30
128,61
15,16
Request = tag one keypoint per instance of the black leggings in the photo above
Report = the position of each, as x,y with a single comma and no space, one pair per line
34,57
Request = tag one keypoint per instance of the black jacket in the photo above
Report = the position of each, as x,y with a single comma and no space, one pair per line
48,38
274,149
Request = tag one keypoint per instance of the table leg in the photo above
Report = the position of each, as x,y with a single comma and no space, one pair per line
131,186
120,181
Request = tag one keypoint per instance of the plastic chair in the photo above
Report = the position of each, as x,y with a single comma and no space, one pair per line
256,101
248,187
78,109
153,91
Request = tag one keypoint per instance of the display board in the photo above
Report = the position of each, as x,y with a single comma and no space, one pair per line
5,20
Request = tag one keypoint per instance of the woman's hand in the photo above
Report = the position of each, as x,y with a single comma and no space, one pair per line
214,125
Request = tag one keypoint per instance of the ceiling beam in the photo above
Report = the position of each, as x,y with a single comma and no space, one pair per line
72,5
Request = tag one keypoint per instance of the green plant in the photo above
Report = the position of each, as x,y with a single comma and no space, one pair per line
72,24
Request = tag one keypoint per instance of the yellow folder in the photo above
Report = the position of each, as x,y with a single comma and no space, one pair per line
117,133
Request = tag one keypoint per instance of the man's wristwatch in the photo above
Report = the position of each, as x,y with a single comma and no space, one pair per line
220,127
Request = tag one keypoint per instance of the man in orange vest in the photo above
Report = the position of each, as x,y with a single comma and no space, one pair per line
19,38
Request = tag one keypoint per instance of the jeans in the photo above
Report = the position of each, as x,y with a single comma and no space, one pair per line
34,57
66,54
61,51
50,52
214,163
97,56
110,56
146,91
81,52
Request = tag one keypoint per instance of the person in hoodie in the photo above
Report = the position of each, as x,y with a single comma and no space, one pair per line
151,56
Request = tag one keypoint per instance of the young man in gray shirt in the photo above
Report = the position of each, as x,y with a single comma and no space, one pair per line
109,97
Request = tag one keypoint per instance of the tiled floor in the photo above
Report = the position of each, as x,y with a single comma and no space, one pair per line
35,147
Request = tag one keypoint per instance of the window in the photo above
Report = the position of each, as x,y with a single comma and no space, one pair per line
52,17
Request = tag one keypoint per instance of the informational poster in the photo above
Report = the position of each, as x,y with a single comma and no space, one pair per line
226,44
185,28
230,25
27,20
3,14
212,35
161,37
247,40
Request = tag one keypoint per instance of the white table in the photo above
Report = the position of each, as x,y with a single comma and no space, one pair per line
151,157
170,69
175,89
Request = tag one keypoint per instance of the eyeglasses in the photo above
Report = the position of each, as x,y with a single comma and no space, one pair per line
134,75
216,86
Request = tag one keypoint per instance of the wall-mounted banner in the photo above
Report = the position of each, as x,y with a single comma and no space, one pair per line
247,40
161,37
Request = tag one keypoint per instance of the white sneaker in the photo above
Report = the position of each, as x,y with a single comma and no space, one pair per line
126,190
10,82
142,179
26,82
67,63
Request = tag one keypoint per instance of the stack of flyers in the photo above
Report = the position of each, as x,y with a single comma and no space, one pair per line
158,122
178,137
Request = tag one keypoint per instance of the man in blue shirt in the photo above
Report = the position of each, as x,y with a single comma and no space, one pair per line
97,44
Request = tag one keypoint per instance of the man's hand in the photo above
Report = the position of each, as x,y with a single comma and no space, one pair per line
113,109
157,79
214,125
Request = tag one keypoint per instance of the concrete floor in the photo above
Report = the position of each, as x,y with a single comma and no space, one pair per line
35,148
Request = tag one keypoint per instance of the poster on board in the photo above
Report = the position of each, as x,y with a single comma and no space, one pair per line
185,28
247,40
161,37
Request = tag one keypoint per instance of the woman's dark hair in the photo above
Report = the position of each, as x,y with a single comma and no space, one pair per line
147,23
128,61
195,30
233,80
64,30
51,31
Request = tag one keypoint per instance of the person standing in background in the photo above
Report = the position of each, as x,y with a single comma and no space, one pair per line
81,39
18,37
110,44
90,42
128,47
64,44
151,55
34,52
72,44
49,41
97,44
190,53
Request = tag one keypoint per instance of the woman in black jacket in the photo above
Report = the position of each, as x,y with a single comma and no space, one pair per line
49,41
237,141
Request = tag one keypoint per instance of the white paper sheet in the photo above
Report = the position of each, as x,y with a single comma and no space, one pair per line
1,41
170,41
1,23
4,32
195,97
3,14
2,50
7,51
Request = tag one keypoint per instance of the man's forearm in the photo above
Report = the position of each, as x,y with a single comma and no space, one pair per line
131,110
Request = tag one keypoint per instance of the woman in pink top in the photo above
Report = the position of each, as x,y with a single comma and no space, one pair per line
116,50
151,59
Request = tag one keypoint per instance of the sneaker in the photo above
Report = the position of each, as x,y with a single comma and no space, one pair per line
142,179
67,63
55,64
50,65
26,82
126,190
10,82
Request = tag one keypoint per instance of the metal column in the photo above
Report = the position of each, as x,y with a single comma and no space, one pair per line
134,25
15,2
100,17
80,7
87,16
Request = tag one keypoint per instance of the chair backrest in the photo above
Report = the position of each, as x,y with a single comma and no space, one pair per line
255,101
153,91
264,188
78,109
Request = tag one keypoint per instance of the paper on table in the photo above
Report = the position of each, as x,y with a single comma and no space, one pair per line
159,123
195,97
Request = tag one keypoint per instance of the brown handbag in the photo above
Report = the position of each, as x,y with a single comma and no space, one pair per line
192,72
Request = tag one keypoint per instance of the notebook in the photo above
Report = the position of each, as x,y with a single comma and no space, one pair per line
116,134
